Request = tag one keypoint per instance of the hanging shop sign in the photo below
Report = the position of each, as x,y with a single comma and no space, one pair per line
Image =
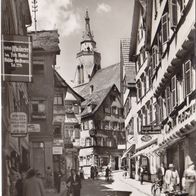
92,132
146,138
18,124
150,129
57,150
58,142
33,128
121,147
16,58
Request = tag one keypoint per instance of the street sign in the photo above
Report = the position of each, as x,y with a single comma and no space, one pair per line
33,128
58,142
18,124
16,58
151,129
57,150
121,147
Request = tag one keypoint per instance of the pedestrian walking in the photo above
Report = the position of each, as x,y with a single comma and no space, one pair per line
74,183
125,171
171,178
81,173
59,175
189,180
160,175
19,184
33,186
107,173
92,172
96,172
141,174
48,177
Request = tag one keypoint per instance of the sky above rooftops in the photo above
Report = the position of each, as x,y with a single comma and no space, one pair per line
110,21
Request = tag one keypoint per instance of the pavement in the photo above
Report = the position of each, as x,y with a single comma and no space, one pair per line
120,186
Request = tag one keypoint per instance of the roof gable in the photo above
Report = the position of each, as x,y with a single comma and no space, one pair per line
94,101
60,82
103,79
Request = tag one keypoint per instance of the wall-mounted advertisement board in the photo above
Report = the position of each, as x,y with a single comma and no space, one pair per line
16,58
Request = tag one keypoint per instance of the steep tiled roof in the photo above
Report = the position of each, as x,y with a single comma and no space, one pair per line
95,100
46,40
60,82
104,78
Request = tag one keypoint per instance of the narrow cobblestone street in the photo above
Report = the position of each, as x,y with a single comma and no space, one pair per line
119,187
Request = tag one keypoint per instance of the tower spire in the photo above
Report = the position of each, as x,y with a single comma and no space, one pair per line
87,34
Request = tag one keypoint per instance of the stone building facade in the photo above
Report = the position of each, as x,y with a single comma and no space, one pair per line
41,92
162,46
14,96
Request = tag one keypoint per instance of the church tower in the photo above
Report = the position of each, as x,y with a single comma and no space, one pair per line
88,59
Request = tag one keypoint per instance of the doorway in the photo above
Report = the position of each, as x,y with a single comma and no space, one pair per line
116,163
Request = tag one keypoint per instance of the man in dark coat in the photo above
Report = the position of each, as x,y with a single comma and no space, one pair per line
160,174
74,183
92,172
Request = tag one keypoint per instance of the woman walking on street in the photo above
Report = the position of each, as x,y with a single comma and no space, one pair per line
189,180
74,183
33,186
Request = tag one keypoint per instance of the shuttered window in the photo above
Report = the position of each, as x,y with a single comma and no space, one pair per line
165,28
187,77
173,13
155,56
173,92
168,100
160,101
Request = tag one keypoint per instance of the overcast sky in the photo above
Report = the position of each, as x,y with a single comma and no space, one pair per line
110,21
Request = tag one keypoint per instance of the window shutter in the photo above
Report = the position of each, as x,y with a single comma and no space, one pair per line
173,13
165,29
173,92
168,100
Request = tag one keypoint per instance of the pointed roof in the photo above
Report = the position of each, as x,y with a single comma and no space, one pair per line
60,82
96,99
111,74
87,33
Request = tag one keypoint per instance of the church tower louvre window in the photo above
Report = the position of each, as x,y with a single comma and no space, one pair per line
88,59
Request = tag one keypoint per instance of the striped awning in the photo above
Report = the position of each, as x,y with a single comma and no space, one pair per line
131,148
146,151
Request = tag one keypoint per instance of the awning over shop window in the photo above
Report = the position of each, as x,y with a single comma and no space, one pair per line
131,148
146,151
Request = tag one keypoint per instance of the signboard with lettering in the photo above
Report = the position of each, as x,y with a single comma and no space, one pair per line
57,150
18,124
121,147
33,128
16,58
150,129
